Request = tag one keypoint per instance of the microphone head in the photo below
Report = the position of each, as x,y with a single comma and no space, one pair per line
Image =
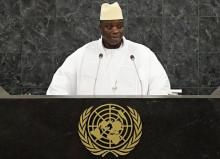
100,55
132,57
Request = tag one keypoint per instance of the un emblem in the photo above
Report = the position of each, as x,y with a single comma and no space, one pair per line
110,128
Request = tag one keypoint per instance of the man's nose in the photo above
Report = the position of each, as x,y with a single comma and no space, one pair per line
115,30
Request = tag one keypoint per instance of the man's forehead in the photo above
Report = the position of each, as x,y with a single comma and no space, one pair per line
111,21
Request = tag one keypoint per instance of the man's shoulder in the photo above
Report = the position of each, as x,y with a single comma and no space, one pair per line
74,59
91,45
139,47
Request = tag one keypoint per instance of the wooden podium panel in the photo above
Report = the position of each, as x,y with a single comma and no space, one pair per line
47,128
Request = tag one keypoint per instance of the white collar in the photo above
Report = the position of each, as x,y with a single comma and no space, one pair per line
102,48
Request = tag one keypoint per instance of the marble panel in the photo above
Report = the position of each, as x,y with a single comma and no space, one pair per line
146,31
38,35
83,8
209,33
145,8
72,33
209,8
182,70
10,72
56,28
59,58
162,57
180,35
180,8
33,91
189,90
209,69
37,70
206,90
10,8
10,27
10,36
12,90
37,8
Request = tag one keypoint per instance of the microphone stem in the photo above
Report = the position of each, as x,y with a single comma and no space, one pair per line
94,88
138,77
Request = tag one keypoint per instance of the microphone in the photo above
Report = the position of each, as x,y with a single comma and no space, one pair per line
133,60
100,57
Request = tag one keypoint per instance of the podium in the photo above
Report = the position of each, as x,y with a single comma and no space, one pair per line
44,127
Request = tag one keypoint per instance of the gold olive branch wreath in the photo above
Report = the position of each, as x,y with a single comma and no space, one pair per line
130,145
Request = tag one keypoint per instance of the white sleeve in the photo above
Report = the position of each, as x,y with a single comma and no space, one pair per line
159,83
64,81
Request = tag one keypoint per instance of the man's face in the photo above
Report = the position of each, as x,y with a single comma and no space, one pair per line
112,32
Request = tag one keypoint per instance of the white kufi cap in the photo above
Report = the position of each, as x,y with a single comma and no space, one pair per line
111,11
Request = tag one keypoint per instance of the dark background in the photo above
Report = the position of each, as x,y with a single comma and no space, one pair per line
37,35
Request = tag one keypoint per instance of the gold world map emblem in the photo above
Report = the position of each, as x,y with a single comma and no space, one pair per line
110,128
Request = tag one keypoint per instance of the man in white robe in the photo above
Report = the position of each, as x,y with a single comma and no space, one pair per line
111,65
